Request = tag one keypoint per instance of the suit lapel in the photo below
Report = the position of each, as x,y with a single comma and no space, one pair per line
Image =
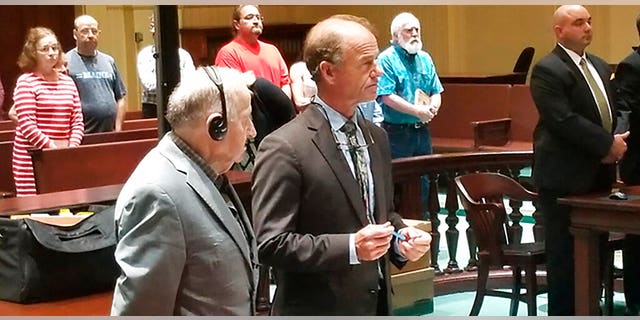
582,82
604,71
326,144
207,191
245,219
202,185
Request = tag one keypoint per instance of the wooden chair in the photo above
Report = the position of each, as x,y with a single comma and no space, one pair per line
482,196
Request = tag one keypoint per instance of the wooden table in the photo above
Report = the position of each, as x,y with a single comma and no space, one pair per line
55,200
97,304
591,215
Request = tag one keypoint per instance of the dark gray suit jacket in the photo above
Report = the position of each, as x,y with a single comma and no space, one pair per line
306,202
627,84
569,140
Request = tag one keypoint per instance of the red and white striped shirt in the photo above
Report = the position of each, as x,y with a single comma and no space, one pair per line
46,110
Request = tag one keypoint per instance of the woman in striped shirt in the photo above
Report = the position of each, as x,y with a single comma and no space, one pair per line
47,105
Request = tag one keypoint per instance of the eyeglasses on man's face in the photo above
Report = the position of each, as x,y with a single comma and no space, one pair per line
86,31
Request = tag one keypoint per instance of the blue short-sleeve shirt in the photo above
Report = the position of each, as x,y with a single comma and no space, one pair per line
403,73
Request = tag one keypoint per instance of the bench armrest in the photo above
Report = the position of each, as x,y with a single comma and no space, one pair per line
491,132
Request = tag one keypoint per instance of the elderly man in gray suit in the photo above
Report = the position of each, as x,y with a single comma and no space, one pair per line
185,245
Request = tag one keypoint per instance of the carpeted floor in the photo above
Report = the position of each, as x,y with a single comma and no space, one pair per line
459,304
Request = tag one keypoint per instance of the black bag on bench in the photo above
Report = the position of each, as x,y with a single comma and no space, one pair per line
42,262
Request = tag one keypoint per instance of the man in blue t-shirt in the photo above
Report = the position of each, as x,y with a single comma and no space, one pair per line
97,78
406,69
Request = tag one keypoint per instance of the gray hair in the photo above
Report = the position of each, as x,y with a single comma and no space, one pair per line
197,96
399,21
84,18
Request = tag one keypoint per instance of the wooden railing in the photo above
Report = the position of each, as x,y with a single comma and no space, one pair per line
442,170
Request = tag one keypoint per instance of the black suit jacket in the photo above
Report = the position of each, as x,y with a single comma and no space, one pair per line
569,140
305,203
627,84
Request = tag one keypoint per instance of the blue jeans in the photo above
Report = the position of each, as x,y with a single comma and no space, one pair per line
408,140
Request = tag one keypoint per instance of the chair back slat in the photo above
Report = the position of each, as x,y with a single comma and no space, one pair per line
482,196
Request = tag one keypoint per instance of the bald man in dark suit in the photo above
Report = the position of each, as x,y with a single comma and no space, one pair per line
575,150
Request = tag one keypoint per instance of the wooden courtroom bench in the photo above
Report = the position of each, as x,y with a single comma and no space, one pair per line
7,185
513,133
125,135
451,129
132,115
140,124
7,135
7,125
87,165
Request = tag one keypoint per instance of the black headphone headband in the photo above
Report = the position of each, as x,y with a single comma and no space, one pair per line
218,126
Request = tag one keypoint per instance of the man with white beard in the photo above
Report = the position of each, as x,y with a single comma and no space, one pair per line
407,70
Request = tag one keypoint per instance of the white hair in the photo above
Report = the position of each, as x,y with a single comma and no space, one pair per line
196,95
400,20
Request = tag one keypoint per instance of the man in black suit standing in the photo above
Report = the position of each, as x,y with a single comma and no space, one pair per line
575,150
627,84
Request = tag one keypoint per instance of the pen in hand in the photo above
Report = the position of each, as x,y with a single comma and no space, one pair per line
399,236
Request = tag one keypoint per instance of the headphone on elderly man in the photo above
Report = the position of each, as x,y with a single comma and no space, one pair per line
217,121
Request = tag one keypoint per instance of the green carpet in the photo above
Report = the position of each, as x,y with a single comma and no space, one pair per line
459,304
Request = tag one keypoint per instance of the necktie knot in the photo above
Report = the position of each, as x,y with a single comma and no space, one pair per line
349,128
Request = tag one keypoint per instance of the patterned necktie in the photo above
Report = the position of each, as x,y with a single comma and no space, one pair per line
362,174
360,165
601,100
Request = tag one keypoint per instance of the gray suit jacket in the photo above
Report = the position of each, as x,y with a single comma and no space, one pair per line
306,202
180,249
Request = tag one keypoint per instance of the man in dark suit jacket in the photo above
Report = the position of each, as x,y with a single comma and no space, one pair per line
627,84
312,222
574,148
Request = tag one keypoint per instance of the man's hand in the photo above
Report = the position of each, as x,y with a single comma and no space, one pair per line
618,148
417,243
373,241
425,113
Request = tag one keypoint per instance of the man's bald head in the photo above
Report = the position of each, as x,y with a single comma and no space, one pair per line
572,27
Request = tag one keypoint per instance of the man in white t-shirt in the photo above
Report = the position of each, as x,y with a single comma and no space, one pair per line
147,73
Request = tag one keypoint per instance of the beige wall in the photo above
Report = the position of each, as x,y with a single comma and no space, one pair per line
461,39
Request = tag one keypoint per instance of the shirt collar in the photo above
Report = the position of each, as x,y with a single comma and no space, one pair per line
336,120
197,159
574,56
